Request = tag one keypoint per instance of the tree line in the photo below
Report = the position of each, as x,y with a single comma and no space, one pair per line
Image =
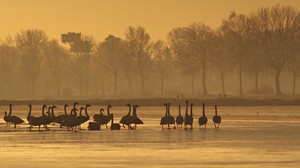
266,41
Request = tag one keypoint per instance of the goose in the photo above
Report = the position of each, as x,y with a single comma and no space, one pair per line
163,120
104,119
61,117
113,125
14,119
203,119
188,119
179,118
170,119
127,119
217,119
137,120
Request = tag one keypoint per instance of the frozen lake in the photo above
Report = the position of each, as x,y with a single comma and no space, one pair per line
265,136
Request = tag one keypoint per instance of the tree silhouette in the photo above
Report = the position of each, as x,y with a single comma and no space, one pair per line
138,41
30,43
57,60
110,54
277,30
162,59
81,47
235,31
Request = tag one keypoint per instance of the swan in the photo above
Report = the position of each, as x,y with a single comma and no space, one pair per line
170,119
188,119
48,118
97,116
113,125
61,117
127,119
203,119
163,120
217,119
6,118
14,119
83,119
179,118
74,120
137,120
35,121
104,119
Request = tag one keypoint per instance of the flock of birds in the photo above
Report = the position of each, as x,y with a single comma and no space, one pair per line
188,118
73,121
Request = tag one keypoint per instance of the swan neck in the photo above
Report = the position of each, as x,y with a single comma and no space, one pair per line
65,109
10,109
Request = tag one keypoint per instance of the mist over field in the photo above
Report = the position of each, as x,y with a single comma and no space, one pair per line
246,55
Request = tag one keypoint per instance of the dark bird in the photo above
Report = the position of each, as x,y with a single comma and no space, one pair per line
74,121
163,120
179,118
127,119
48,119
203,119
83,119
217,119
94,126
136,119
170,119
6,118
61,117
188,119
36,121
113,125
14,119
104,119
97,116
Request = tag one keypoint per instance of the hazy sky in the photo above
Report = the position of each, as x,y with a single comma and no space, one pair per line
102,17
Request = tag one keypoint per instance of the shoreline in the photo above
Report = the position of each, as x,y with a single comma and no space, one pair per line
161,101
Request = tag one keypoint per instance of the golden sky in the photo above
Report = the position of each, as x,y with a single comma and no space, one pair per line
102,17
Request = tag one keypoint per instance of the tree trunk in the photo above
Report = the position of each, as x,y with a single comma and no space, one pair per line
193,83
204,78
223,83
162,86
256,83
241,80
142,80
294,83
80,88
277,82
115,83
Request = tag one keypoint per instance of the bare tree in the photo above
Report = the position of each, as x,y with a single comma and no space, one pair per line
235,30
138,40
220,58
200,36
57,61
8,59
30,44
81,47
162,59
179,39
110,54
277,29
